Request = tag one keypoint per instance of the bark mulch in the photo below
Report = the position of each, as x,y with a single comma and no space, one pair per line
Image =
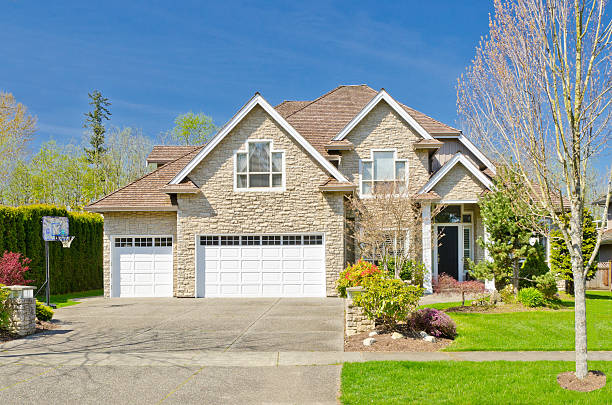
384,343
593,381
41,326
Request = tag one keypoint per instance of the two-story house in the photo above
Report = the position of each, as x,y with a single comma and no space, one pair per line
260,209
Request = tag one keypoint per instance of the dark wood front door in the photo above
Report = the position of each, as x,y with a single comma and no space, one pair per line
448,251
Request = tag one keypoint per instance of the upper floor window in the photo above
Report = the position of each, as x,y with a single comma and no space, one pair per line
259,167
383,170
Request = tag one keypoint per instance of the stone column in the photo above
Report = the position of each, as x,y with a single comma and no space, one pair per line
427,257
23,310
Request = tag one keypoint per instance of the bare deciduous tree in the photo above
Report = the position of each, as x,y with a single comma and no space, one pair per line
16,130
537,96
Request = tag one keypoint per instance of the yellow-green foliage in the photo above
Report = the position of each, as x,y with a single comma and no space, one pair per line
4,307
78,268
43,312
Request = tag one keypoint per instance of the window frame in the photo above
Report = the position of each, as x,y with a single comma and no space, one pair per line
245,151
373,181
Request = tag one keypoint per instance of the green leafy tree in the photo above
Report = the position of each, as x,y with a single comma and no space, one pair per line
513,258
192,129
94,122
560,259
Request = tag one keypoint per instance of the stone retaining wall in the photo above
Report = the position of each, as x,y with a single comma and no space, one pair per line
23,310
355,319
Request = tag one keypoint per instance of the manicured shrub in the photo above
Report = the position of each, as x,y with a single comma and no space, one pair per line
433,322
388,301
507,294
43,312
447,284
12,269
531,297
547,285
410,271
5,310
78,268
354,275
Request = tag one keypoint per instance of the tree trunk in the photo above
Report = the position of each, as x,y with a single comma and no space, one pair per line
580,324
515,276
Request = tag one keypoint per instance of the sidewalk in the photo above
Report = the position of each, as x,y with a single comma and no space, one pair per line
273,359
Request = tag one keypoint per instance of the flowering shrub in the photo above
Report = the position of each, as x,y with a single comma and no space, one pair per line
12,269
434,322
354,275
388,300
447,284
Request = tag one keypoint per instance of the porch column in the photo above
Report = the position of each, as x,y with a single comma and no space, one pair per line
426,220
489,284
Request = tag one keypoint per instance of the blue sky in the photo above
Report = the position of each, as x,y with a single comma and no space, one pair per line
157,59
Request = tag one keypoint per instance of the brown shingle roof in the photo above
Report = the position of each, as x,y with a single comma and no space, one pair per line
288,107
185,186
319,121
145,193
168,153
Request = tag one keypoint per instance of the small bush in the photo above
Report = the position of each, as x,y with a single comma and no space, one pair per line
433,322
5,311
43,312
354,275
507,294
547,285
12,269
410,271
388,300
531,297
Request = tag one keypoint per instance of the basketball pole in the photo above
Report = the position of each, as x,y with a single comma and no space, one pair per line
47,289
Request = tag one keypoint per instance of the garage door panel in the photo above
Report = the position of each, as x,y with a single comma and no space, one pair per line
251,265
142,271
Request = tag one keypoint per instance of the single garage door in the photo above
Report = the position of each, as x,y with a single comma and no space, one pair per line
142,266
261,266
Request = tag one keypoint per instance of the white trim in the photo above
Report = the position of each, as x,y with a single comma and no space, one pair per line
112,257
459,157
458,202
382,95
257,99
270,189
426,237
472,148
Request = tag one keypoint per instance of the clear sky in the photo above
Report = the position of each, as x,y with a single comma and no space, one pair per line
157,59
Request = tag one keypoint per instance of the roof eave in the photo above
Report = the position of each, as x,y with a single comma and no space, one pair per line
130,209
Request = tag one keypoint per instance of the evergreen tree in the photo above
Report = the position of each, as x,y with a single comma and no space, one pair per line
560,260
94,122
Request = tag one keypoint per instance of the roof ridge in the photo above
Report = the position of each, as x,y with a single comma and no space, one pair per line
325,95
141,178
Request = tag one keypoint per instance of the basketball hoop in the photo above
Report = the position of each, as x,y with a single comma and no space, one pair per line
66,240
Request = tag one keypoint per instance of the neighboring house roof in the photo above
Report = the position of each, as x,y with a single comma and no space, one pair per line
168,153
601,200
258,100
144,194
606,238
457,158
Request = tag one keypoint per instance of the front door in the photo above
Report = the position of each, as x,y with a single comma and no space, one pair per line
448,251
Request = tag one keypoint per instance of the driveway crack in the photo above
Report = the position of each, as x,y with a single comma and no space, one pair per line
253,323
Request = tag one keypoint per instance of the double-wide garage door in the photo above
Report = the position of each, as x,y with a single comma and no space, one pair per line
141,266
261,266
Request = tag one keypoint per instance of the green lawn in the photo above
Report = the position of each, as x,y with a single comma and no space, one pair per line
448,382
66,300
534,330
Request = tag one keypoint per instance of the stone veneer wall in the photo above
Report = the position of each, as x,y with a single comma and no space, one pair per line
355,319
136,224
22,310
301,208
459,184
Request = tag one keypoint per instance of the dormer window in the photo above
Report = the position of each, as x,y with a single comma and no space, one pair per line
383,170
259,168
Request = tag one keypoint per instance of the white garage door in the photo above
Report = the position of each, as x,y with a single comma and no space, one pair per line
142,267
261,266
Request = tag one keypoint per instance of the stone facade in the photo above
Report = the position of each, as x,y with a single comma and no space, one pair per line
135,224
218,209
459,184
355,319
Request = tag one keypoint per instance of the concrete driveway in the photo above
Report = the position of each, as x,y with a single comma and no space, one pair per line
179,350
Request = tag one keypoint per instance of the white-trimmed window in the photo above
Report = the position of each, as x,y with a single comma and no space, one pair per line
467,242
383,169
260,167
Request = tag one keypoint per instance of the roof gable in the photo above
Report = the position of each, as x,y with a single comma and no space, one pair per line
382,96
458,158
257,100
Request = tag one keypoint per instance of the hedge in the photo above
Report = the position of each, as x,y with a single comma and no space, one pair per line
78,268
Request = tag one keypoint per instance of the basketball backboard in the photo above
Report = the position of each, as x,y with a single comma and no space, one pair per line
53,227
